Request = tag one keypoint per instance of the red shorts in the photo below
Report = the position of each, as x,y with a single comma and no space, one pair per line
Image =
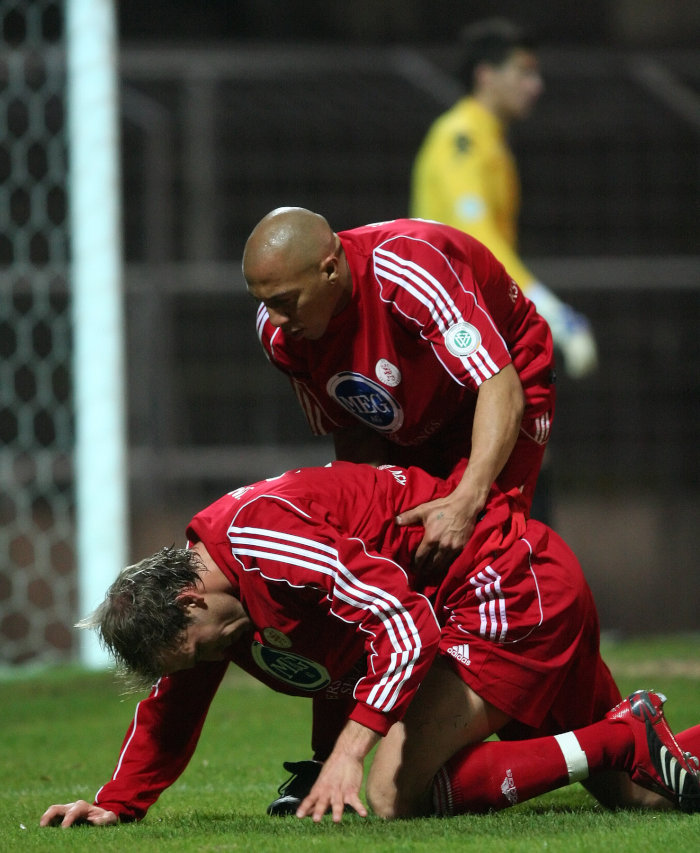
522,631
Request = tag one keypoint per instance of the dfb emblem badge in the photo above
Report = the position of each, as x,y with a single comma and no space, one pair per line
462,339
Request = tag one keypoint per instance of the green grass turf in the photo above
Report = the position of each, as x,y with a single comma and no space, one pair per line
62,728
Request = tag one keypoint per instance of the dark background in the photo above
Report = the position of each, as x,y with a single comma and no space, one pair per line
603,22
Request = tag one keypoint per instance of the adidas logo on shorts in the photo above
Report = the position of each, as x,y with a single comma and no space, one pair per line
508,788
460,653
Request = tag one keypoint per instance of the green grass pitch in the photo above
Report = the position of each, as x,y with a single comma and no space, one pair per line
62,728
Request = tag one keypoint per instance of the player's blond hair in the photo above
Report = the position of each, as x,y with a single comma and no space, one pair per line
141,619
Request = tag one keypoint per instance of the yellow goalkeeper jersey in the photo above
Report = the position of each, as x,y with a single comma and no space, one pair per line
465,175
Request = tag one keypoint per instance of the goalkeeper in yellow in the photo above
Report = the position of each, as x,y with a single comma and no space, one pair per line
465,174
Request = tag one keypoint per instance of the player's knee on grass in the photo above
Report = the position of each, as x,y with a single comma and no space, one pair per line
380,799
388,801
382,803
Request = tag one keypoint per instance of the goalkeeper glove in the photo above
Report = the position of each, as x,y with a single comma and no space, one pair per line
571,331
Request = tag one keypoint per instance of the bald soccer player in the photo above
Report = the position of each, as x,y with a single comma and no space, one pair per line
410,344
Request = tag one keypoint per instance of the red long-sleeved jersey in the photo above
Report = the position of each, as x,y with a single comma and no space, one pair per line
433,315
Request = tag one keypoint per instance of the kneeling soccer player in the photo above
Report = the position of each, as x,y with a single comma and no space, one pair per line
306,581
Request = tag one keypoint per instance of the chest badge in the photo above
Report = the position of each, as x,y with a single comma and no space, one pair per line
291,668
387,373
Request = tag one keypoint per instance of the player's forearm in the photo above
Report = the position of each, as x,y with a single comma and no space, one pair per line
355,741
160,740
497,419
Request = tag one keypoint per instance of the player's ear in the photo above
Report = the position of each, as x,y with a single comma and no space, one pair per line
329,267
483,74
191,597
331,261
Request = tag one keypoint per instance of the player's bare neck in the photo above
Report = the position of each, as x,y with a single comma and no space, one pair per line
345,284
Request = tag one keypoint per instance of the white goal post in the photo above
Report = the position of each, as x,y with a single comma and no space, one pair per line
101,466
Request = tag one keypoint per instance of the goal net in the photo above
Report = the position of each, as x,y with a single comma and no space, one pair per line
62,433
37,582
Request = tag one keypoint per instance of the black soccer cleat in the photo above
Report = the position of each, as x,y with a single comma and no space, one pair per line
293,791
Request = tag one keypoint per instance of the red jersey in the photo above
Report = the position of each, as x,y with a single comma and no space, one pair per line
433,314
319,564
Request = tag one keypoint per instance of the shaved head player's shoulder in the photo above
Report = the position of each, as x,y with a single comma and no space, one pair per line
286,241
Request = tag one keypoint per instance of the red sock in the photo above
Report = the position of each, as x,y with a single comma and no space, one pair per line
497,774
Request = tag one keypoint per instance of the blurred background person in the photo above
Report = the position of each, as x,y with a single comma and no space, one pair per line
465,175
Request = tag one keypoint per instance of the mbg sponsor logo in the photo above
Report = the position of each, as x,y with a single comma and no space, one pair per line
462,339
367,400
290,668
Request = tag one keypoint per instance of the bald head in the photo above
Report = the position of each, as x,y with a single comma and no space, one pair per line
295,266
286,242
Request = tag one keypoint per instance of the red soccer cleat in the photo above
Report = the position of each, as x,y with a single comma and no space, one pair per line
658,763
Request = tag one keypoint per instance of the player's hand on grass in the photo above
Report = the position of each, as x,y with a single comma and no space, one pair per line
340,779
67,814
338,785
